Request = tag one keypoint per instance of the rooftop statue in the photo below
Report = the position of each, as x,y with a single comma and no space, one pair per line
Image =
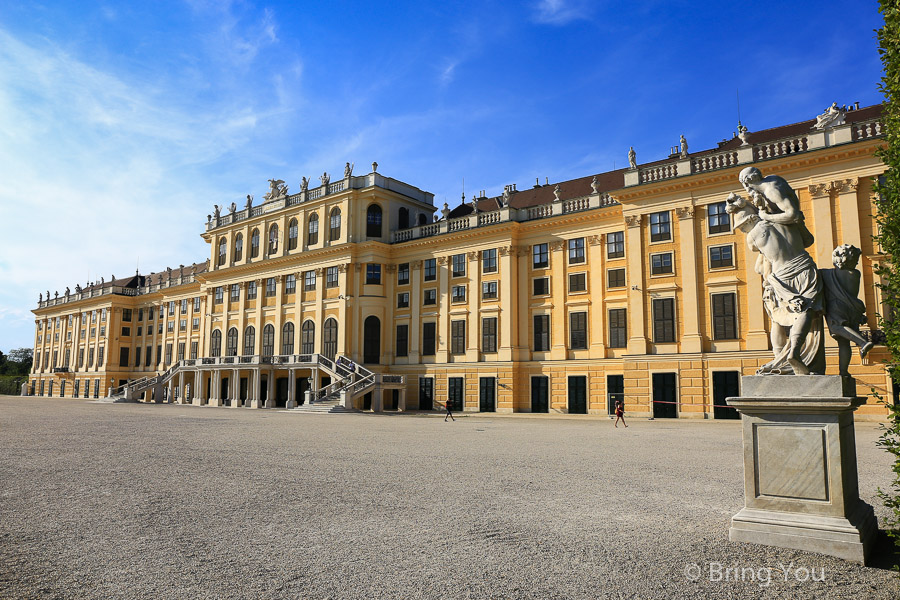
41,297
325,179
233,208
249,204
304,184
277,189
684,146
216,211
632,158
832,116
594,185
348,170
744,134
556,192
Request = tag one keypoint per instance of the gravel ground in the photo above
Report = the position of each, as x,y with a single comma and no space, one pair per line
161,501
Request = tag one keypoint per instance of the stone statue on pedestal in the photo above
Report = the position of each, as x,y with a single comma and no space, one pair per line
348,170
216,212
632,158
325,179
277,189
832,116
249,204
304,184
684,147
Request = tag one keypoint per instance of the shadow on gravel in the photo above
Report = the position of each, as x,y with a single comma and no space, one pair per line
886,554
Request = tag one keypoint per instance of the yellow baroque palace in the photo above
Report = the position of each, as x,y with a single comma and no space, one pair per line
558,298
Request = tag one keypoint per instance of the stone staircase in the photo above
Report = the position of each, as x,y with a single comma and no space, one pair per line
329,405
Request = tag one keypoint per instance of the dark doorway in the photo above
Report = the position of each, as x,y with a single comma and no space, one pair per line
326,381
224,391
456,392
665,396
393,400
302,387
208,388
578,395
540,394
426,393
367,401
487,394
263,390
245,388
615,391
281,391
372,340
726,384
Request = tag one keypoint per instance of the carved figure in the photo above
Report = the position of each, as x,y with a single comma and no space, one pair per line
233,208
277,189
844,311
325,179
445,212
77,289
594,185
832,116
632,158
208,219
249,204
48,294
556,192
792,291
348,170
41,297
684,147
374,167
56,295
304,184
216,212
744,134
102,280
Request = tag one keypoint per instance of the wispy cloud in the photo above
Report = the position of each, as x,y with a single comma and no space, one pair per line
560,12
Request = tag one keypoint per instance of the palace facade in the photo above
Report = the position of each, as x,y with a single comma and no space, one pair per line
558,298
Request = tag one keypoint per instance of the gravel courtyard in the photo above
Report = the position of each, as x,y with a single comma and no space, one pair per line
162,501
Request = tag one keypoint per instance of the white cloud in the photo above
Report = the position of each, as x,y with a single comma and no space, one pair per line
560,12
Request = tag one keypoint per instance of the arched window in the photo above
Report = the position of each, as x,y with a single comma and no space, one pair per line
231,342
307,337
421,219
238,247
372,340
215,343
312,237
373,221
223,251
249,340
329,338
287,338
254,243
268,345
273,239
335,231
292,235
403,221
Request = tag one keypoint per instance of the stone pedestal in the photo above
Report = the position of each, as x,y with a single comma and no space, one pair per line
800,479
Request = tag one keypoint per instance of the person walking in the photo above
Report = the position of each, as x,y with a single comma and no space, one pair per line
620,413
449,413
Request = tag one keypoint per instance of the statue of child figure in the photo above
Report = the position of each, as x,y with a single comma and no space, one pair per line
844,311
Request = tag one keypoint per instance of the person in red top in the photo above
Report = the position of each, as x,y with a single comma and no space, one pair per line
449,414
620,413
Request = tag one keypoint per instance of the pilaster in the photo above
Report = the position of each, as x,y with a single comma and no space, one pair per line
691,340
637,340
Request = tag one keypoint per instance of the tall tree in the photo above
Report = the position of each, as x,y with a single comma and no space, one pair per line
888,239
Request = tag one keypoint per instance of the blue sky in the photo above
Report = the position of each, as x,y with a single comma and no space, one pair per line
121,124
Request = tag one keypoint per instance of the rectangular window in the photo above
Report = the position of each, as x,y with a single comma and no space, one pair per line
403,300
426,393
717,218
331,277
123,357
540,256
81,357
720,256
137,356
664,320
403,274
196,304
195,323
102,316
290,284
661,264
576,251
578,331
541,286
309,281
90,358
430,297
168,354
126,315
194,346
660,227
270,287
489,334
489,261
182,325
458,262
489,290
615,278
148,356
235,292
615,244
578,282
94,315
456,391
180,350
541,333
219,295
724,319
458,293
618,328
251,290
184,306
430,269
139,331
457,337
428,339
373,274
126,331
171,308
402,340
149,315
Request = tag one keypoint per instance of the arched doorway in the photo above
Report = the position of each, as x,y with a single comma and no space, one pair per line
372,340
